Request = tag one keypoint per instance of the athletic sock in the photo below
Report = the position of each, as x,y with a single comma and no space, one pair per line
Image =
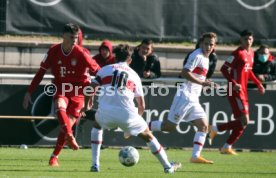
235,135
155,125
199,140
214,128
158,151
229,125
60,143
64,120
96,143
227,146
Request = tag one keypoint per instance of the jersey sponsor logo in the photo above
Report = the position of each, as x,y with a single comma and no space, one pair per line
247,67
47,3
257,7
62,71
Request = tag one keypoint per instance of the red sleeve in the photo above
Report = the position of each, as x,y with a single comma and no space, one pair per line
254,78
87,51
36,80
46,62
92,64
228,64
225,72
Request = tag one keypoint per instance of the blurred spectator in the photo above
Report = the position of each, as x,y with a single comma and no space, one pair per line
212,60
79,42
264,65
105,55
145,62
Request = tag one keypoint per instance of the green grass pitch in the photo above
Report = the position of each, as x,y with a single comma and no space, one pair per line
33,163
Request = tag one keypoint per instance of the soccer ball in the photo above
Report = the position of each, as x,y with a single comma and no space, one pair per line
128,156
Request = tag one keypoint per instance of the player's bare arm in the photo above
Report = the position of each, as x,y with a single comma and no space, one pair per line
27,100
187,74
141,104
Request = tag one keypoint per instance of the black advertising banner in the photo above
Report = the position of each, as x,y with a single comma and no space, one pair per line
259,134
97,18
228,18
134,20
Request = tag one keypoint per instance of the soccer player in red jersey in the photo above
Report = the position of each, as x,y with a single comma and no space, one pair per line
70,65
237,69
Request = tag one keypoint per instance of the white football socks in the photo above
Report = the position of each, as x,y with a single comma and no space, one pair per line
199,140
158,151
155,125
96,143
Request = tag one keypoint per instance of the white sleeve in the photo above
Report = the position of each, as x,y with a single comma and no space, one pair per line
138,88
98,78
192,62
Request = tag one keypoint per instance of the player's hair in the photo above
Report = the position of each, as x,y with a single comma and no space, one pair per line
209,35
147,42
263,46
71,28
246,33
122,52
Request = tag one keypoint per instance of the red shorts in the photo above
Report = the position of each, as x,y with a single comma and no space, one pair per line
238,106
74,104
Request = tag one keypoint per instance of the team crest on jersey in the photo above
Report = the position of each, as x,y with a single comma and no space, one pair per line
73,62
59,62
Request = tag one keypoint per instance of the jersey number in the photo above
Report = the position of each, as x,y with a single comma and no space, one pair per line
119,81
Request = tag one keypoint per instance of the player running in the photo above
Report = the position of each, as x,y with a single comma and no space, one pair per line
69,64
186,104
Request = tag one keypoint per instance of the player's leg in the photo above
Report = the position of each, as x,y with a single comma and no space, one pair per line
158,151
236,109
102,120
135,125
193,112
73,112
162,125
198,117
177,112
60,108
59,146
240,111
61,104
96,143
234,136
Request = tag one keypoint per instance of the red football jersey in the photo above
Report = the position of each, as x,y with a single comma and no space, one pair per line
69,68
240,64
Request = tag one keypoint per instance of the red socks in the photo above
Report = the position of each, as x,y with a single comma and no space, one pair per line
230,125
64,121
60,143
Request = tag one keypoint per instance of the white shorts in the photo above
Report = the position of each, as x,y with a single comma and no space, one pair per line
183,109
131,123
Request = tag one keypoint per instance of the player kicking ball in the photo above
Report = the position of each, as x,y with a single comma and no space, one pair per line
117,108
69,64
